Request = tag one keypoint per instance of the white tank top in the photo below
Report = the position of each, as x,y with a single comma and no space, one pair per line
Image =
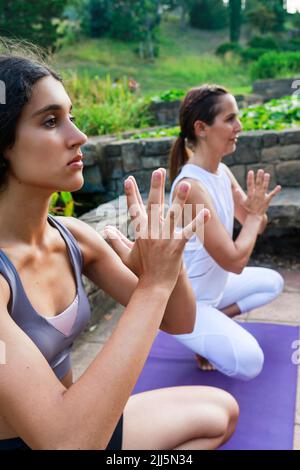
208,279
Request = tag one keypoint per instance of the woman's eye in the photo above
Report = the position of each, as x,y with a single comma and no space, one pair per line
73,118
50,122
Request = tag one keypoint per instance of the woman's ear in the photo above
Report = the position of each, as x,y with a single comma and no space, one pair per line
200,129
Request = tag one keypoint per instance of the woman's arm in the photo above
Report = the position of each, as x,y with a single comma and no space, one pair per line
232,255
100,259
40,409
44,413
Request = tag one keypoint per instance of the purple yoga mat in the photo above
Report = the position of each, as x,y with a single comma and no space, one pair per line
267,403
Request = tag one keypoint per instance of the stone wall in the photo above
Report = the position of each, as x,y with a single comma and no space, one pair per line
270,89
108,163
166,113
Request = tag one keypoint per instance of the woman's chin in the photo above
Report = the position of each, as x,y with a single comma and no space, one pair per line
231,148
74,185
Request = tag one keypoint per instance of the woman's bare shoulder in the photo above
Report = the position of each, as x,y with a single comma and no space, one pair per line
90,241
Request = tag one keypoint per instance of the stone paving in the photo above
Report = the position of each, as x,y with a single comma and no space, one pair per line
285,310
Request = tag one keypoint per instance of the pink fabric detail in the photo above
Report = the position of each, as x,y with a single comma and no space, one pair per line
64,321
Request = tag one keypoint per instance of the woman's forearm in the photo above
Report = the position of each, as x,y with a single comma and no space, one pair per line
93,405
180,314
246,240
263,225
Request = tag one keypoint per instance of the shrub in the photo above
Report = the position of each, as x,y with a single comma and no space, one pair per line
222,49
276,64
263,42
250,54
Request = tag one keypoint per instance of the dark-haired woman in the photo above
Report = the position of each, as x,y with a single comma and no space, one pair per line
223,285
43,306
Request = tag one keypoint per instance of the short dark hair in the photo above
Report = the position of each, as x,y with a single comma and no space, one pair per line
18,75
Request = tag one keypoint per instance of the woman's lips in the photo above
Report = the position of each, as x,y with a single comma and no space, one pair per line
76,164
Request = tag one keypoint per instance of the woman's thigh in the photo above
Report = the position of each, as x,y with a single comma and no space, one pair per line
252,288
166,418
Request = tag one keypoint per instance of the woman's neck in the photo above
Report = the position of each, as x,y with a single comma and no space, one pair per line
23,215
206,160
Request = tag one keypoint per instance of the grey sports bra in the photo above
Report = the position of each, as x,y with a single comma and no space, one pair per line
53,343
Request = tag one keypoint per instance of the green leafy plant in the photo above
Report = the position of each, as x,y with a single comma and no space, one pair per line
62,203
169,95
104,106
274,115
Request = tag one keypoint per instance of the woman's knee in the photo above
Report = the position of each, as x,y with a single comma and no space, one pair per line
243,358
228,414
274,282
250,361
233,411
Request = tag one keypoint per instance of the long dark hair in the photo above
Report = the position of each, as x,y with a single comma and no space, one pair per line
18,75
200,104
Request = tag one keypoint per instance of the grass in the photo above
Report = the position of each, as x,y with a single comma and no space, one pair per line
185,59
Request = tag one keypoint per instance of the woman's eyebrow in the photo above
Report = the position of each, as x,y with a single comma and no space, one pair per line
231,115
49,107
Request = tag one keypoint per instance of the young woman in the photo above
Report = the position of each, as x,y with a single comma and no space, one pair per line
43,306
223,285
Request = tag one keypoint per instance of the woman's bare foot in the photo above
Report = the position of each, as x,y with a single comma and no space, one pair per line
203,363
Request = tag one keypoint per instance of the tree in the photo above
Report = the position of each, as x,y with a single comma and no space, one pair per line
208,14
98,18
235,10
30,20
266,15
183,6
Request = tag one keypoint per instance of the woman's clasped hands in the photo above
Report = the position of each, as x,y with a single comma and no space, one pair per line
156,253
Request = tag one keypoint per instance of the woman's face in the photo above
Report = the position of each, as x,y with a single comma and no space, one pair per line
47,140
221,136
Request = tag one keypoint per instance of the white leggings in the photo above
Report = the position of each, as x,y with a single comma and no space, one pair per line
229,347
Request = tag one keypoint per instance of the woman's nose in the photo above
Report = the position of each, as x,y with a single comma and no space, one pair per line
77,137
239,126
